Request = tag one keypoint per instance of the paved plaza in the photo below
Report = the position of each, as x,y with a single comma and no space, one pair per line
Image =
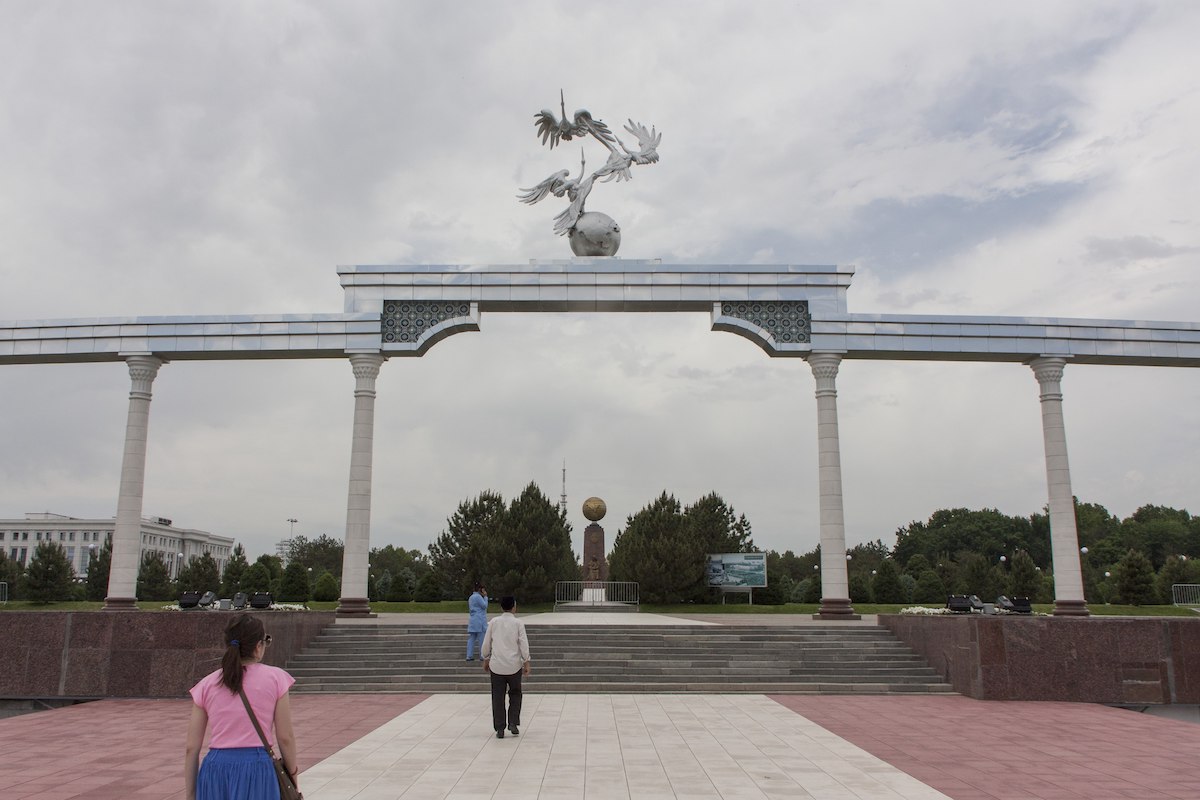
599,746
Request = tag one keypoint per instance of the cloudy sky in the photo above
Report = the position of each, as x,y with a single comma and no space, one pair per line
174,158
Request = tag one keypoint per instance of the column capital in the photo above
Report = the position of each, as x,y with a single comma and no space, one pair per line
366,365
143,369
824,365
1048,370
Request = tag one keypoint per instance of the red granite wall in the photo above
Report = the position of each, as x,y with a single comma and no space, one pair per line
1124,660
89,654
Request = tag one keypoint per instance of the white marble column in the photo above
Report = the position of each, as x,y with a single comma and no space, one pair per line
1064,539
127,534
358,502
835,590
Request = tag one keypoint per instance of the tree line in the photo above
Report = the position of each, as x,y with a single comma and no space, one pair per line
523,547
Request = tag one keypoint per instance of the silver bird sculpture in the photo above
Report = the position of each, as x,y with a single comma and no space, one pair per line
554,130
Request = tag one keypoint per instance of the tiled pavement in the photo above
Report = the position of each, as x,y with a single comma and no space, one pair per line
379,747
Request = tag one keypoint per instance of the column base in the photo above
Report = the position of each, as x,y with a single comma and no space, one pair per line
833,608
355,607
120,604
1071,608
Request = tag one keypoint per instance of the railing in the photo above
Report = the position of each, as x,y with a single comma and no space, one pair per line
1186,594
595,593
3,593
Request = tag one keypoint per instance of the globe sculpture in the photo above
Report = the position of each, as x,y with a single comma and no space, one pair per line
594,509
590,233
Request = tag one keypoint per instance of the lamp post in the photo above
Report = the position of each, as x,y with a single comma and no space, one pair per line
178,566
291,521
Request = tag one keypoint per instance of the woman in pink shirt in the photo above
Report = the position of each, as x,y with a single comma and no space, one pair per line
237,766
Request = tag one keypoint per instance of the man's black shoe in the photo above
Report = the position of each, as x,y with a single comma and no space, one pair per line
513,730
500,734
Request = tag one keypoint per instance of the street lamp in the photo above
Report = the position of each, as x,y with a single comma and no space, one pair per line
291,526
178,566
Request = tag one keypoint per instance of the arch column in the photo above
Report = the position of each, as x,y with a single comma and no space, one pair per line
835,590
1064,538
354,600
127,532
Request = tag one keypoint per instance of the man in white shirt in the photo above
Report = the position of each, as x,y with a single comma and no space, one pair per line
505,654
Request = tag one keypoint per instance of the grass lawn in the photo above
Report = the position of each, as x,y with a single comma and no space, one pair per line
460,607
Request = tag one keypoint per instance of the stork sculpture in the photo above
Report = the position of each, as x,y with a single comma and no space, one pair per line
591,233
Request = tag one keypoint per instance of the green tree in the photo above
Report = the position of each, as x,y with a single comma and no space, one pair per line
454,554
885,586
859,587
716,526
929,588
323,554
274,565
293,587
235,567
11,573
529,552
392,559
655,551
986,532
97,573
326,588
49,576
1174,570
1134,576
154,580
977,577
401,588
1024,579
200,574
429,589
256,578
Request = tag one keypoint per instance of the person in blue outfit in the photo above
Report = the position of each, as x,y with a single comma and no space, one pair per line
477,620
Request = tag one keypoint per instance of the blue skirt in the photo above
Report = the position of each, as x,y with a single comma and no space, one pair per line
237,773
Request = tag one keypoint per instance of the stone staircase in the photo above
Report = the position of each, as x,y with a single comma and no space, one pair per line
811,659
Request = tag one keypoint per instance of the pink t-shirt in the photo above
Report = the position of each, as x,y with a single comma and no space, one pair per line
227,717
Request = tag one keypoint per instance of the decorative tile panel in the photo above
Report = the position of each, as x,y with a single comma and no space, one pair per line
406,321
787,321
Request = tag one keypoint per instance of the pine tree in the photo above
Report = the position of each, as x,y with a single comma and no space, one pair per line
293,588
256,578
1024,579
530,550
656,551
885,586
200,574
11,573
97,574
453,555
401,589
929,588
1174,570
429,589
231,578
154,580
49,576
1135,579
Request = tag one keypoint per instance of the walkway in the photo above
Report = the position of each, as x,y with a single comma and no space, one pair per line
386,747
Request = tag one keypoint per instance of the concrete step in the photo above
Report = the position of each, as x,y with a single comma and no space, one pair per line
616,658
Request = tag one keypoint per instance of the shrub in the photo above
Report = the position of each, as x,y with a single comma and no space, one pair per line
326,588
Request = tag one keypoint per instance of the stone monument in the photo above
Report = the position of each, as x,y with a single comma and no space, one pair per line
595,567
591,233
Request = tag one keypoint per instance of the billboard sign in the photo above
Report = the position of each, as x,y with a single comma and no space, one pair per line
737,570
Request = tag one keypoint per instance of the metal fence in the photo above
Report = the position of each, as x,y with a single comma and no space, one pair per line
3,593
1185,594
595,593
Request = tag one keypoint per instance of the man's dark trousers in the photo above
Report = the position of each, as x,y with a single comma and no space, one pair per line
500,683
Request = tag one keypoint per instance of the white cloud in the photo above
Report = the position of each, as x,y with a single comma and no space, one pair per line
210,159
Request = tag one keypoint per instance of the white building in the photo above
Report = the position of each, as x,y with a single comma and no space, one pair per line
83,538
